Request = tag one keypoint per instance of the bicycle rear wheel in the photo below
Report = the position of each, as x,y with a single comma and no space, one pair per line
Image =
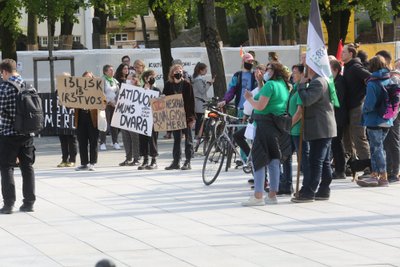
213,161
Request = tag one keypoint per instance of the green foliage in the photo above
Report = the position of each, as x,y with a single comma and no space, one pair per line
378,10
10,15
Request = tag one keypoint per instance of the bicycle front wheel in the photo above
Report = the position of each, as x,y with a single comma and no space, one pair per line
213,161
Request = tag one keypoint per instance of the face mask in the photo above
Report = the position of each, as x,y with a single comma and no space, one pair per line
266,76
248,66
178,76
152,80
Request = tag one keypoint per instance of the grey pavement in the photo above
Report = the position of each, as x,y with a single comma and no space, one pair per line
170,218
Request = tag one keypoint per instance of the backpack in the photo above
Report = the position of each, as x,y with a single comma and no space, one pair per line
29,116
388,106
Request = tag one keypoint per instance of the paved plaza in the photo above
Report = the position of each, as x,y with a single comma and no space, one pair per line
170,218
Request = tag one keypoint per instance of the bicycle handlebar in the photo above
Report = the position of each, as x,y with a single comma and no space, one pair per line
224,115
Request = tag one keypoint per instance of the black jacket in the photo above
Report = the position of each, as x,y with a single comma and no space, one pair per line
341,92
355,76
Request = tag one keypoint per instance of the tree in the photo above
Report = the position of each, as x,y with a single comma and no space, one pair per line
222,23
255,24
206,11
32,26
379,14
9,29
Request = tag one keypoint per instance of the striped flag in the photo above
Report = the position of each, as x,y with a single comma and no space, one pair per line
317,56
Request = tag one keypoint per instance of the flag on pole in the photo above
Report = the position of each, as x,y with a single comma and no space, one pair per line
317,56
241,51
339,50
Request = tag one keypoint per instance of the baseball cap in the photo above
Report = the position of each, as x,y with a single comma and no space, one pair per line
247,57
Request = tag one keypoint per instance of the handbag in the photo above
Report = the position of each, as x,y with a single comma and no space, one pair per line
101,120
250,131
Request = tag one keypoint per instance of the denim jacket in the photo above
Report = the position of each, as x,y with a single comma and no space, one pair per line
370,117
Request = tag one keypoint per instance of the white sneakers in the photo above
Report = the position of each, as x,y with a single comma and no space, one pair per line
116,146
103,147
254,202
260,201
89,167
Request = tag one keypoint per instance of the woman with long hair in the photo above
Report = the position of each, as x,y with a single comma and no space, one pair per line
270,102
200,88
176,84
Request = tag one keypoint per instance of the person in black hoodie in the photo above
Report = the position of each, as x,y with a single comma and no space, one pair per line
177,85
355,76
341,121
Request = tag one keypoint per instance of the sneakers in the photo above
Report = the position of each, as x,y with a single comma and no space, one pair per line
144,164
62,164
393,179
126,163
6,209
368,182
173,166
26,208
134,162
82,168
116,146
91,167
383,182
103,147
253,202
271,201
186,166
153,164
70,164
302,199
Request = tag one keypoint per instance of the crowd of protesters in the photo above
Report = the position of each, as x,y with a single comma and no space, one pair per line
334,141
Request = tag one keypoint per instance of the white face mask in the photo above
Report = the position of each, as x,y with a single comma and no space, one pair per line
266,76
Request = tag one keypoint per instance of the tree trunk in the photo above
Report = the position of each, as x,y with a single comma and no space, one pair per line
211,39
164,38
32,43
255,25
8,37
379,31
172,27
144,31
200,17
100,27
66,39
222,24
275,27
337,23
289,35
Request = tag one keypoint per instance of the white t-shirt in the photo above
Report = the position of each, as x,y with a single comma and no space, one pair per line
247,107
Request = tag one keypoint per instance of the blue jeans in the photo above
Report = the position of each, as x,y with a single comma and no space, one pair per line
286,177
378,155
319,168
274,173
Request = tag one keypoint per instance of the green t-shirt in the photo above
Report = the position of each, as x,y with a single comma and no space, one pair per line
294,102
278,95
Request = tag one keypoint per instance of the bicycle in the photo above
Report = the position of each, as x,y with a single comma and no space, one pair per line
205,133
220,148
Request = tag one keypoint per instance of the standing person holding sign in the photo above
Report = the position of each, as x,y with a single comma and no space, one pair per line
69,148
148,144
177,85
111,87
87,132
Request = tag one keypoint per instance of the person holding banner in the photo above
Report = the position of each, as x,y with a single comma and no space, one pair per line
111,87
129,139
87,133
177,85
148,144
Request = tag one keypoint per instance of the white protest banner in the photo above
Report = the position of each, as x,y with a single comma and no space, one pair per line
168,113
81,92
132,111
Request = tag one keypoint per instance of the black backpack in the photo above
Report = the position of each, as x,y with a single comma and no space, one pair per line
29,116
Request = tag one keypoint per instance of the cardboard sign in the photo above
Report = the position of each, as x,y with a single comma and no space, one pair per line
168,113
81,92
132,111
57,119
